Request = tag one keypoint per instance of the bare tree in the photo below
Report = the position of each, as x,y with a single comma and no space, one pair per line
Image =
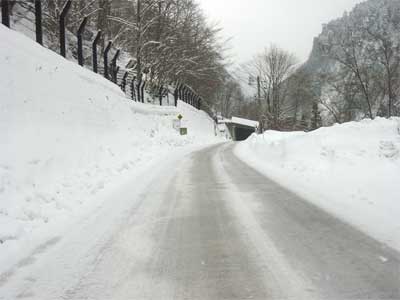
383,47
272,68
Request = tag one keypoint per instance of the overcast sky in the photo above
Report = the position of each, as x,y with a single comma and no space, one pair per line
291,24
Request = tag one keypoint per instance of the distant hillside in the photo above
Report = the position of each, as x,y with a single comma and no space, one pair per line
355,63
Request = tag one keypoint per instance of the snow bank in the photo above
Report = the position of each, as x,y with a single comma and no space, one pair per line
67,135
351,170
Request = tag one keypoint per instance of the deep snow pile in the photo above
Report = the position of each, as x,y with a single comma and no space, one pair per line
67,135
352,170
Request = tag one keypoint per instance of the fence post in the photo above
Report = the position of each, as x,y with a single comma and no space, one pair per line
80,45
123,83
94,51
176,95
133,94
63,15
186,95
114,66
199,104
181,92
38,21
160,94
5,13
108,48
142,90
116,75
138,85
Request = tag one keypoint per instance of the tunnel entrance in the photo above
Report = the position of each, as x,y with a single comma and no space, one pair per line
240,129
241,133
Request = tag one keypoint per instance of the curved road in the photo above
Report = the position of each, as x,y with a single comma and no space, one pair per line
208,227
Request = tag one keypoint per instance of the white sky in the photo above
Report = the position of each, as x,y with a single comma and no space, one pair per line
291,24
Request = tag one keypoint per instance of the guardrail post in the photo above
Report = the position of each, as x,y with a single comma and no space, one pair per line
63,15
123,82
38,21
5,13
94,51
114,66
80,44
108,48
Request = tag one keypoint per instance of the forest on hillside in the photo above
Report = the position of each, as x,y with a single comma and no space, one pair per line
353,71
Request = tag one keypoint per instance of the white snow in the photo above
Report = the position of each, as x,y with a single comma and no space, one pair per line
240,121
351,170
67,137
245,122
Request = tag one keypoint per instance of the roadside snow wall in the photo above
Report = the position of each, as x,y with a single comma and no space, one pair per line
351,170
67,134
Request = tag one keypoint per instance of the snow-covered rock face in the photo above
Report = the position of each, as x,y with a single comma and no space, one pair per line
352,170
67,135
353,59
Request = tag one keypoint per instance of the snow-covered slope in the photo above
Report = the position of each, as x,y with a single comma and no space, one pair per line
352,170
68,135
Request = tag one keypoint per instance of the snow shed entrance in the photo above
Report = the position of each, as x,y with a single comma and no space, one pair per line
240,129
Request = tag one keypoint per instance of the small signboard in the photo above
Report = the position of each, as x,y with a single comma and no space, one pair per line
183,131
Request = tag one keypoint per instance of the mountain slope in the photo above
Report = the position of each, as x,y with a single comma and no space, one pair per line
355,63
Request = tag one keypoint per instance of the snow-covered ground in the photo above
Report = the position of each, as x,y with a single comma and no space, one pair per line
68,136
351,170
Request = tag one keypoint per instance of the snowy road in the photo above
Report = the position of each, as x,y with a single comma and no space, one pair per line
207,227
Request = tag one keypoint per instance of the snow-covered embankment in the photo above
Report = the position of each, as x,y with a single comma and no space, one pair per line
351,170
68,135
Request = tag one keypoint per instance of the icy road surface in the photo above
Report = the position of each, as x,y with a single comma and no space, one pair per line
207,227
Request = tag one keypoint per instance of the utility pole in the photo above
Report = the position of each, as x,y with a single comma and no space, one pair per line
260,126
259,90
